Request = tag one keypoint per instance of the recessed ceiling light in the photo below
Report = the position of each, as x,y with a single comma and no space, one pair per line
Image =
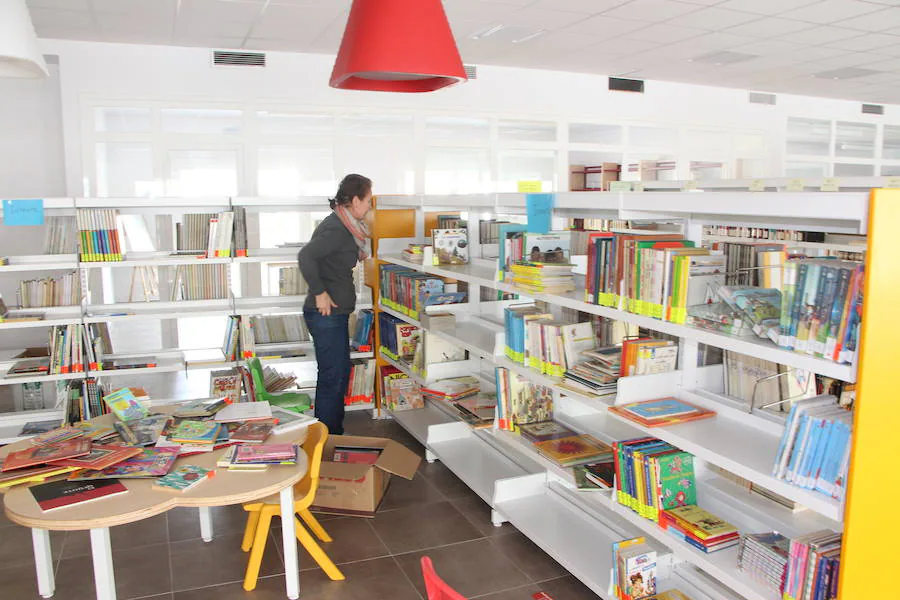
530,36
846,73
725,57
487,32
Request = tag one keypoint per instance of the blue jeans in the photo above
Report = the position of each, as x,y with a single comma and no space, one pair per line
331,341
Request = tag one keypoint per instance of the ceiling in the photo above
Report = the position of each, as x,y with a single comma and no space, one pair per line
833,48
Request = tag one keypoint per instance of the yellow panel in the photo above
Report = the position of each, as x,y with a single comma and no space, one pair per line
431,220
399,223
871,526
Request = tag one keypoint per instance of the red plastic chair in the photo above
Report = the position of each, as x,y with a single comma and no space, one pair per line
436,587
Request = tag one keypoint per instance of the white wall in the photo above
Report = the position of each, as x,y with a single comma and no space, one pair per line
96,71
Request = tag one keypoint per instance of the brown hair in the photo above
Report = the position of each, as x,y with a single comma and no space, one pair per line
352,186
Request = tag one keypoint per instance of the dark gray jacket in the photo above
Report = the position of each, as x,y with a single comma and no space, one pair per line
327,262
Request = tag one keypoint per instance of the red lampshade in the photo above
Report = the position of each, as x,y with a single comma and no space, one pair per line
397,46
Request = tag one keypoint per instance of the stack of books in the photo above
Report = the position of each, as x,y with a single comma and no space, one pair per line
478,410
544,430
452,389
764,557
596,374
574,450
258,457
699,528
813,566
413,253
543,278
634,569
670,471
661,412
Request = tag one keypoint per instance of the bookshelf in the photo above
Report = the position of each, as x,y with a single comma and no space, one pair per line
541,501
105,297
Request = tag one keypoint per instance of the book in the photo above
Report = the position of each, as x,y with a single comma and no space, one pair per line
244,411
37,455
141,432
225,383
601,473
573,450
287,420
132,362
57,435
183,478
661,412
253,432
99,457
451,246
700,522
356,455
544,430
151,462
226,461
277,454
194,432
206,407
30,475
125,405
59,494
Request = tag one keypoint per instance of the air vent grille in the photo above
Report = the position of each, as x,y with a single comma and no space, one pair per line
471,71
617,84
760,98
873,109
222,58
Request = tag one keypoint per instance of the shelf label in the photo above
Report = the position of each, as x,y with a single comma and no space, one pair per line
892,182
795,185
540,212
637,186
758,185
620,186
689,186
23,212
529,187
831,184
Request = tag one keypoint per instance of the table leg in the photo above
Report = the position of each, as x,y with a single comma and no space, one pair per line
291,566
104,578
43,562
206,527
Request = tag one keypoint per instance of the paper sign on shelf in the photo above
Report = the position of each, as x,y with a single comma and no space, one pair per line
831,184
540,212
637,186
795,185
758,185
620,186
529,187
23,212
689,185
893,182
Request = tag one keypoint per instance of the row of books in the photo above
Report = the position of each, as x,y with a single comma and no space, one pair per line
291,281
398,338
201,282
362,330
814,452
99,235
520,401
804,568
60,235
409,291
360,389
764,233
58,290
220,234
398,391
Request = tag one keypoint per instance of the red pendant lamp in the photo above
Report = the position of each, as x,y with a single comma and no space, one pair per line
397,46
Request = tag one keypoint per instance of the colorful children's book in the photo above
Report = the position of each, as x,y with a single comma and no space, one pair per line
142,432
44,454
278,454
356,455
124,405
194,432
31,475
661,412
95,431
151,462
99,457
55,436
206,407
573,450
225,383
183,478
544,430
57,494
451,246
252,432
700,522
601,473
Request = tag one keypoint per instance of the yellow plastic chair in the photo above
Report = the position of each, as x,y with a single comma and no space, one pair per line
260,518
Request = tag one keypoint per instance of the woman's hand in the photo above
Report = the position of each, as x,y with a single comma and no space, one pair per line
324,304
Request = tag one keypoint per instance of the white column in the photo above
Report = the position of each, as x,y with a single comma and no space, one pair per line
206,526
101,549
288,538
43,562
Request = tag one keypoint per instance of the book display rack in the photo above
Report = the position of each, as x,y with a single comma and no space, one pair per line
540,498
123,284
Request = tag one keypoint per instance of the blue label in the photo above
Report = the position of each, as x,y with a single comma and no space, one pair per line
540,212
23,212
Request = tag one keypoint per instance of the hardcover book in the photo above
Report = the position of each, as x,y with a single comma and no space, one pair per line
151,462
451,246
544,430
29,475
661,411
194,432
183,478
57,494
253,432
124,405
356,455
43,454
573,450
142,432
55,436
99,457
266,454
202,408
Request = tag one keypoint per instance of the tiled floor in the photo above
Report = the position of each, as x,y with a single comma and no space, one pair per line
435,514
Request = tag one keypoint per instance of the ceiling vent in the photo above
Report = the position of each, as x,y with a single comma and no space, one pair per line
761,98
617,84
873,109
228,58
471,71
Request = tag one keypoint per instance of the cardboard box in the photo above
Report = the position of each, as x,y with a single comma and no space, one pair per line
357,489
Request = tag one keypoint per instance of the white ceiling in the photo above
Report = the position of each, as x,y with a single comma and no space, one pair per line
773,45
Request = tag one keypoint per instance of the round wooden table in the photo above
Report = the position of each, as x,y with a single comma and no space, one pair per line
143,501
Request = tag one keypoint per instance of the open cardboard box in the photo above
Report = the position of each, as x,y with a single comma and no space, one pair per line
357,489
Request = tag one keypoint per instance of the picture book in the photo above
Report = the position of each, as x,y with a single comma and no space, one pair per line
206,407
183,478
661,412
640,572
37,455
141,432
547,248
151,462
194,432
573,450
674,476
55,436
286,420
58,494
601,473
244,411
618,548
356,455
700,522
252,432
227,461
761,306
37,427
544,430
225,383
95,431
405,394
124,405
266,454
583,482
451,246
30,475
99,457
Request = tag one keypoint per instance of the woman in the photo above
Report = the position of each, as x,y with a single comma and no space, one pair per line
327,263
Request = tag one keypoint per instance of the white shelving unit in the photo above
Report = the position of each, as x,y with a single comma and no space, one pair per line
540,498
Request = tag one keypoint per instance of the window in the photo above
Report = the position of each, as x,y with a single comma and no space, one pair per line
590,133
201,120
122,120
527,165
202,173
854,140
810,137
286,171
124,169
527,131
457,171
457,129
891,147
381,147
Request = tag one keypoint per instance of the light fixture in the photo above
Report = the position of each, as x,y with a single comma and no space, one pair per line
397,46
487,32
19,54
530,36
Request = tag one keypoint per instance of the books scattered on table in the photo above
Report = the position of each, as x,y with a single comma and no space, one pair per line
206,407
661,412
287,420
96,431
59,494
670,471
244,411
764,556
30,475
54,436
38,427
814,452
194,432
699,528
356,455
141,432
151,462
573,450
123,403
634,569
38,455
252,432
99,457
183,478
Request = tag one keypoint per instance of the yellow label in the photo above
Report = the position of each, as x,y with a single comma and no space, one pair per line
758,185
637,186
795,185
413,313
687,186
529,187
831,184
606,299
893,182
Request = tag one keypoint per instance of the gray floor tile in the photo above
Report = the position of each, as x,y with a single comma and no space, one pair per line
17,549
139,572
533,561
478,513
353,540
421,527
196,563
445,481
184,523
402,493
123,537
